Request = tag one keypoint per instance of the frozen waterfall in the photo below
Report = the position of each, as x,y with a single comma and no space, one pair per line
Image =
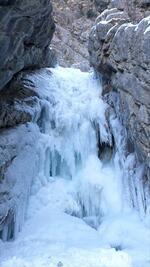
78,213
75,126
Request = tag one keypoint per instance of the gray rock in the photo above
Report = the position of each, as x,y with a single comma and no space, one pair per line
101,5
120,51
26,30
73,22
135,9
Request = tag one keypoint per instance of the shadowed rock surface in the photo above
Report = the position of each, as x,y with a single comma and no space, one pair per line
101,5
26,29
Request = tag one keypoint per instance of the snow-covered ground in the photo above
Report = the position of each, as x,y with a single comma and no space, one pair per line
77,215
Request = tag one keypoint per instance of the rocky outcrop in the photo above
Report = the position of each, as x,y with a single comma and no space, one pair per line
26,29
73,22
18,104
101,5
119,50
136,9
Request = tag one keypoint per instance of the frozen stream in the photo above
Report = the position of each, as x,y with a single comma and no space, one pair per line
77,214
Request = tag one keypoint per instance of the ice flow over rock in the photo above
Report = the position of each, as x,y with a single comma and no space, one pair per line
77,215
75,126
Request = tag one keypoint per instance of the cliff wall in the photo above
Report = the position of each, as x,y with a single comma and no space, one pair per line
26,30
119,49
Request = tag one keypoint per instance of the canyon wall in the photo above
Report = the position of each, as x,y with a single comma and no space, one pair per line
119,48
26,30
136,9
74,20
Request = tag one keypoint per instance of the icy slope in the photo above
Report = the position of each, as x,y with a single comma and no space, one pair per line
77,215
50,236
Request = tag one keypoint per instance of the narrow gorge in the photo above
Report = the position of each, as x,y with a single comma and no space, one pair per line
75,133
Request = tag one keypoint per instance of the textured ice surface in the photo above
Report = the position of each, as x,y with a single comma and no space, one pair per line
77,215
20,153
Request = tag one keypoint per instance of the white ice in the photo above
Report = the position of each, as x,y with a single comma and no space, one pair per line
77,215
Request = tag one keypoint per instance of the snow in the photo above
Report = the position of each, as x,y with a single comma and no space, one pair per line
51,236
77,213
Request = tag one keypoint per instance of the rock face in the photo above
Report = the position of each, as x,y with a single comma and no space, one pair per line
136,9
73,22
26,29
101,5
120,51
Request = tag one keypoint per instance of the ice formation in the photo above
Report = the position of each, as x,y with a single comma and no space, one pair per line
78,214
